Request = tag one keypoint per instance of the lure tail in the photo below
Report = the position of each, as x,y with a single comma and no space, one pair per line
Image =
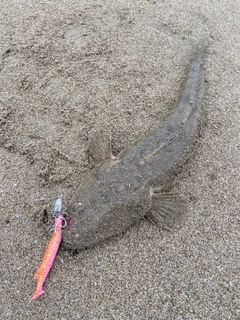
38,292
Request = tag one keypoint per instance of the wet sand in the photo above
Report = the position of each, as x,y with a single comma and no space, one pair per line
70,68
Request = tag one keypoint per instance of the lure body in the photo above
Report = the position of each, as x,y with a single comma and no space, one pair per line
49,257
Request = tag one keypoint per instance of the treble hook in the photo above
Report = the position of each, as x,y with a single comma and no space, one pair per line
58,213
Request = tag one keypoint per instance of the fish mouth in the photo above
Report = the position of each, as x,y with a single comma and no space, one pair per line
71,248
75,247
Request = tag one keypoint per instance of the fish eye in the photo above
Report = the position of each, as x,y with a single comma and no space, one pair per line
78,206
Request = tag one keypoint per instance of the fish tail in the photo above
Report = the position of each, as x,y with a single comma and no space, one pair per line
201,49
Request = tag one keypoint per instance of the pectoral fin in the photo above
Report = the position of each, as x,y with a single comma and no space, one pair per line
99,146
167,209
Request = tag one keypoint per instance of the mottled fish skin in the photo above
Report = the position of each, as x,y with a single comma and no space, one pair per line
121,192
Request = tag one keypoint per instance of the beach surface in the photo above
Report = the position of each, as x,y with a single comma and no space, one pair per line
70,68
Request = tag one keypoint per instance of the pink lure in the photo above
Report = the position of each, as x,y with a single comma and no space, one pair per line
49,257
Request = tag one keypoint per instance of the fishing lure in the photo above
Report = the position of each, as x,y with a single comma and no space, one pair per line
50,254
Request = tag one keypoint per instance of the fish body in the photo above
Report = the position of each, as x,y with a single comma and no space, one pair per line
48,258
125,190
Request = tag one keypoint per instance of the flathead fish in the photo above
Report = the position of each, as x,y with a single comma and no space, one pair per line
126,189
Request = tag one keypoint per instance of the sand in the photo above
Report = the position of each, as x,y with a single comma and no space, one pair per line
68,68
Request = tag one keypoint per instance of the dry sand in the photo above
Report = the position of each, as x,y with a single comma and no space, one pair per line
71,67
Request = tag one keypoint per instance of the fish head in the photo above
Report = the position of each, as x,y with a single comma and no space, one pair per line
91,224
82,229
